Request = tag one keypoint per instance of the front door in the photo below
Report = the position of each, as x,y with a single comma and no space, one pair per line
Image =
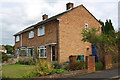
53,53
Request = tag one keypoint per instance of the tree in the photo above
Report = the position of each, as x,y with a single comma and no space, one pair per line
104,44
9,48
107,27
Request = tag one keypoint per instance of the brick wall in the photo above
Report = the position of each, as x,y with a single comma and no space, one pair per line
90,61
107,61
70,28
49,37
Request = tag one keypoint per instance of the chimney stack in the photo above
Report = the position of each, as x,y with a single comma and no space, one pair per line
45,16
69,5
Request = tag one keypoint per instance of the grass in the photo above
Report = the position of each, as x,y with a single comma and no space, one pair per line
15,70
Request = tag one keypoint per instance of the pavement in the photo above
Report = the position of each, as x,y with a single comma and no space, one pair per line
112,74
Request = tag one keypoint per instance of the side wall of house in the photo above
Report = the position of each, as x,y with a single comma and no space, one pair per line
49,37
70,28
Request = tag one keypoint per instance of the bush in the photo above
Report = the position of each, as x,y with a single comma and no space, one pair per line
77,66
43,68
30,75
57,65
5,57
26,61
57,71
99,66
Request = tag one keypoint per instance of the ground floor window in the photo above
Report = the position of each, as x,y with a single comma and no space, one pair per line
42,52
17,51
30,51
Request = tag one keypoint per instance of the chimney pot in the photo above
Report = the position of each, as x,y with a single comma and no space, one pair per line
45,16
69,5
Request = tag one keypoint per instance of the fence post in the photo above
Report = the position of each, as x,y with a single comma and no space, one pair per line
90,63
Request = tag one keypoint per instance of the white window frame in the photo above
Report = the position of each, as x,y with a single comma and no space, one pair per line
28,54
86,26
17,38
31,34
39,51
40,32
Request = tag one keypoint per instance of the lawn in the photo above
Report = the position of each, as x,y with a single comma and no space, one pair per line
15,70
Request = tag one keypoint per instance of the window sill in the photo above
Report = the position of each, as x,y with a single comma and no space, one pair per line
31,38
41,35
42,57
17,41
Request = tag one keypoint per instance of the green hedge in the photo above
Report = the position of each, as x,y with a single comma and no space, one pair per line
5,57
99,66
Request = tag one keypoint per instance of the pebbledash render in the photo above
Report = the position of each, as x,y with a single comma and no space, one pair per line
58,37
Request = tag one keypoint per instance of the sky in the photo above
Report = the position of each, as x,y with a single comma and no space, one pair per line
16,15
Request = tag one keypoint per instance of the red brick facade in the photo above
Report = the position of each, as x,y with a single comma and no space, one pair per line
65,31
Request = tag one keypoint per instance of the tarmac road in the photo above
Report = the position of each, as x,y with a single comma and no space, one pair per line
113,74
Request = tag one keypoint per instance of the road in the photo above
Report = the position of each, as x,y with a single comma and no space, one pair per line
112,74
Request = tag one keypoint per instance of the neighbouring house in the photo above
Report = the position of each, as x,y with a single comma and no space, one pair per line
57,37
2,49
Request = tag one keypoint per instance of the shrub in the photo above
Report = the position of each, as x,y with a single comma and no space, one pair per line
26,61
61,65
30,75
43,68
57,71
77,66
5,57
99,66
57,65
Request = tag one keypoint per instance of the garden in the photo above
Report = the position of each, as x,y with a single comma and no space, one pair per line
28,68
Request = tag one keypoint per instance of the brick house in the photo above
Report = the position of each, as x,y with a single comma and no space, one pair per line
58,37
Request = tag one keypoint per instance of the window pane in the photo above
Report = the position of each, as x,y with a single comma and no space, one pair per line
42,53
31,34
30,51
41,30
17,38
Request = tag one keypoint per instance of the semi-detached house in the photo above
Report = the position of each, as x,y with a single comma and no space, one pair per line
58,37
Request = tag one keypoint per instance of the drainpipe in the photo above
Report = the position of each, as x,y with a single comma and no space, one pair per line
57,39
21,40
51,52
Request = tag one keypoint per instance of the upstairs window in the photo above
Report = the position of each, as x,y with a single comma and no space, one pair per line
31,34
42,52
41,30
17,38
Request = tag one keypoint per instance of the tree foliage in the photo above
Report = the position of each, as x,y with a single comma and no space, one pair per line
9,48
104,43
107,27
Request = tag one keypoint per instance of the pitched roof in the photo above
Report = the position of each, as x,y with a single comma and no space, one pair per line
49,19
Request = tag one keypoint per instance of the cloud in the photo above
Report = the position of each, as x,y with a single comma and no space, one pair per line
16,15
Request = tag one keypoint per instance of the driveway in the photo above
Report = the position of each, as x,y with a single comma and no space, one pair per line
102,75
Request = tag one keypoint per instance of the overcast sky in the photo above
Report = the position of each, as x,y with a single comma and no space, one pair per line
16,15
